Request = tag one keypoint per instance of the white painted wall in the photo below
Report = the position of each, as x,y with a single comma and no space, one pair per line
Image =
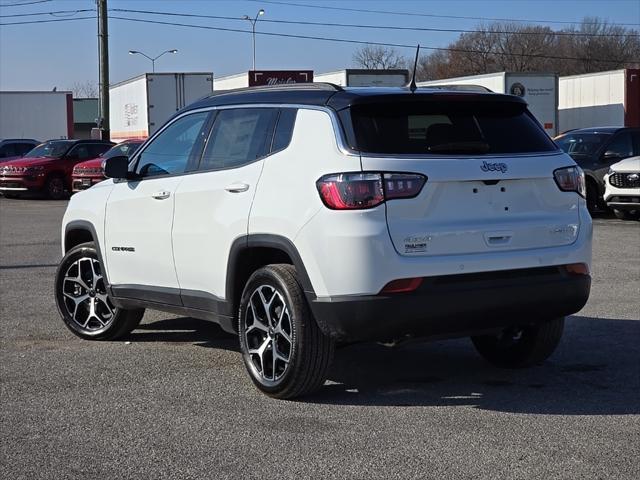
240,80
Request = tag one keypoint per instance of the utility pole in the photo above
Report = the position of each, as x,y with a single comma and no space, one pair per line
103,65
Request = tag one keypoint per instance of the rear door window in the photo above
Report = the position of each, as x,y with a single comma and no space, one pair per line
239,136
447,128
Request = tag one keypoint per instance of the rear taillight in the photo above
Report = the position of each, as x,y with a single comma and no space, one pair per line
571,179
357,191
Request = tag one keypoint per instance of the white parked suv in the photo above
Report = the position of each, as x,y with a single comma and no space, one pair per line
308,216
622,188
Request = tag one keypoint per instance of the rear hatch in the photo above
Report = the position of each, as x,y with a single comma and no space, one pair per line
490,174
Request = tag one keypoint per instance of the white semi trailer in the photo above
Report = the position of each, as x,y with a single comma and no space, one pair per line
39,115
354,77
540,90
600,99
141,105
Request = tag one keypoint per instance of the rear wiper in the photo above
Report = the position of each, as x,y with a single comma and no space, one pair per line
460,147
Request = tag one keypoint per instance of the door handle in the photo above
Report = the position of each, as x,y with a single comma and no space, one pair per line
161,195
237,187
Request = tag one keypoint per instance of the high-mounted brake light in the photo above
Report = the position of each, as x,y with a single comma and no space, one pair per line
357,191
571,179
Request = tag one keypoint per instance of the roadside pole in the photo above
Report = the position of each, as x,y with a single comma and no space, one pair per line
103,65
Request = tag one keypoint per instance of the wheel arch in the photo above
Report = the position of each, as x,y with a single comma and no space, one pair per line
250,252
77,232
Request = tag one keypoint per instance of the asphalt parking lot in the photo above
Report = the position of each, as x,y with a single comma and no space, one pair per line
173,400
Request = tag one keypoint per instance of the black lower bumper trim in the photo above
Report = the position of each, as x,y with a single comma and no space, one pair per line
455,305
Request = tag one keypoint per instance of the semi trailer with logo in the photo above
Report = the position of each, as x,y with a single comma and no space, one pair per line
539,90
141,105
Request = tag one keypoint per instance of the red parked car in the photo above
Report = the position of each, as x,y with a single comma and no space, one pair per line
47,168
89,173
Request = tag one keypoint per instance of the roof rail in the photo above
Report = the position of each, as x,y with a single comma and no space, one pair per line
285,86
461,88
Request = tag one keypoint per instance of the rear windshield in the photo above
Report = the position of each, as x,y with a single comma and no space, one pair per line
447,128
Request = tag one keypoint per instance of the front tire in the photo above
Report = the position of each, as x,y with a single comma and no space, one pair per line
284,350
82,299
625,215
521,347
54,187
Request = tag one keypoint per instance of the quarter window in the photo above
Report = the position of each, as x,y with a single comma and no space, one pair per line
238,137
169,152
284,129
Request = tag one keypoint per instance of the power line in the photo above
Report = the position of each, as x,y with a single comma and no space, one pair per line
31,22
326,39
432,15
47,13
2,5
359,42
380,27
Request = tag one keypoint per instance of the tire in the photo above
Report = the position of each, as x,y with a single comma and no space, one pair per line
82,299
521,347
625,215
54,187
593,201
304,352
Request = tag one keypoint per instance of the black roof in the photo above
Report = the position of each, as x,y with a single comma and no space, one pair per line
326,94
609,130
74,140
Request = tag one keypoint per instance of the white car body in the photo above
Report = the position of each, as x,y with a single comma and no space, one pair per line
622,185
169,242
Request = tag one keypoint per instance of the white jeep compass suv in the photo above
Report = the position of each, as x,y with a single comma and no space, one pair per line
305,216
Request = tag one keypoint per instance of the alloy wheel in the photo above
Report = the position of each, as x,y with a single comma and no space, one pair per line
85,296
268,334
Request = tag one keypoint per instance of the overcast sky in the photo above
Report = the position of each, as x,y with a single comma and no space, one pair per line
41,56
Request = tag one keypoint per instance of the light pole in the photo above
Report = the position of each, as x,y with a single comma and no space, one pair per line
153,59
253,29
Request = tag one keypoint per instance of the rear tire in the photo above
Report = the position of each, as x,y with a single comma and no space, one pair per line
521,347
285,352
82,299
593,200
625,215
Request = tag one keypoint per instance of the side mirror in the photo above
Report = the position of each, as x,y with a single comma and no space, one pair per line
116,167
611,155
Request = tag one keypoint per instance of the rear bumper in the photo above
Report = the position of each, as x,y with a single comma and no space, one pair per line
455,305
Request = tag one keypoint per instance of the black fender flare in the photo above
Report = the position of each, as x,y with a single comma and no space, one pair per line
277,242
88,227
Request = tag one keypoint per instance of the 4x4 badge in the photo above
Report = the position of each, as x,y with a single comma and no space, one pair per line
493,167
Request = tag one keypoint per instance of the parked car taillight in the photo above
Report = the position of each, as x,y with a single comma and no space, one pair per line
356,191
571,179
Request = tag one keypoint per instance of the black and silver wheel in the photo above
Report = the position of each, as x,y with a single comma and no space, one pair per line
54,187
520,347
82,299
284,350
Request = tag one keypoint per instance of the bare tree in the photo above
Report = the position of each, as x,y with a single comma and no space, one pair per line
378,57
593,46
86,89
